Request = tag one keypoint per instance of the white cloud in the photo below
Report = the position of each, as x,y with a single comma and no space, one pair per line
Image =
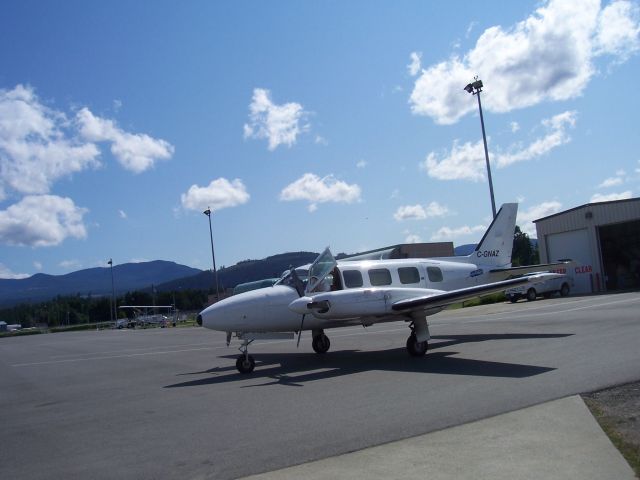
514,127
450,234
526,217
414,66
546,57
279,124
599,197
35,148
467,161
41,221
610,182
320,140
463,162
135,152
314,189
412,238
557,136
37,266
219,194
419,212
361,164
618,30
70,264
6,273
406,212
122,214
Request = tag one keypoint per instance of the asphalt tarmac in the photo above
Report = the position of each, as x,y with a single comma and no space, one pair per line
168,403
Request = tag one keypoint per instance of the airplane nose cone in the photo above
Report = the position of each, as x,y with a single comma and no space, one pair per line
259,310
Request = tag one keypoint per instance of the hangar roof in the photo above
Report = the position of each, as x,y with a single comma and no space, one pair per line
611,202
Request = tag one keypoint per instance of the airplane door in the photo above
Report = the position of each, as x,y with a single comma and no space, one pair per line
319,269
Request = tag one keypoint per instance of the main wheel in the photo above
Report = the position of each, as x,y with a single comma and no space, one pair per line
321,343
245,364
416,348
564,291
531,295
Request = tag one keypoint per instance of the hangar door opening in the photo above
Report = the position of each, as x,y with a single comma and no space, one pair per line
620,247
574,245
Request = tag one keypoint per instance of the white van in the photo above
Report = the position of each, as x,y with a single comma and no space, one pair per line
546,288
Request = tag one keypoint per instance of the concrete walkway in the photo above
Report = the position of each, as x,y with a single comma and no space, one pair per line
555,440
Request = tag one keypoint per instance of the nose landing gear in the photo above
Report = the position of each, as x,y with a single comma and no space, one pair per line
245,362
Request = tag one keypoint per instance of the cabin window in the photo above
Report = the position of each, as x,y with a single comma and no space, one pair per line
408,275
352,278
435,274
379,276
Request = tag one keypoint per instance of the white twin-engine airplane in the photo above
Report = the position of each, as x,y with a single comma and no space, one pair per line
330,294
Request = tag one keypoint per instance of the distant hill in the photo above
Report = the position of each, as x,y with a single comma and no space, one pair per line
463,250
242,272
91,281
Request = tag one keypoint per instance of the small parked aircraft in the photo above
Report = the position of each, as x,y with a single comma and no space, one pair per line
330,293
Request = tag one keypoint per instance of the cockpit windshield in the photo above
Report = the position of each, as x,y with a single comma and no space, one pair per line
311,279
295,278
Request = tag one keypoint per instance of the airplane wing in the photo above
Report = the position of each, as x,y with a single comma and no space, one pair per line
383,302
444,299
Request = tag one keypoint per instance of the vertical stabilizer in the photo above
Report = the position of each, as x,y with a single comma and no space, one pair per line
495,247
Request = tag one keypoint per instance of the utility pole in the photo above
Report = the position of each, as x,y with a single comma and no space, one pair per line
475,88
208,212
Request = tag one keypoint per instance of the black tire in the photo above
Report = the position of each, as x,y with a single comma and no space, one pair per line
416,348
245,364
564,291
531,295
321,343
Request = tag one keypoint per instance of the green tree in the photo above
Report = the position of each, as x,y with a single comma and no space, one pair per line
524,253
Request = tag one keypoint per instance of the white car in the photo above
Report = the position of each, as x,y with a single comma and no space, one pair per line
546,288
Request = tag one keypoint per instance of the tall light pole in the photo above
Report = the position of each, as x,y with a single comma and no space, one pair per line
207,212
475,88
112,304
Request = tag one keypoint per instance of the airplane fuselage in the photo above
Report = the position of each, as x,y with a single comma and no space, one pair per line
268,309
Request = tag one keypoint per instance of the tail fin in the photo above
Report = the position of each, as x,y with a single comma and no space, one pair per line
497,243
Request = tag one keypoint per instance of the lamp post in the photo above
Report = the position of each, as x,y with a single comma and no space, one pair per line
475,88
207,212
112,304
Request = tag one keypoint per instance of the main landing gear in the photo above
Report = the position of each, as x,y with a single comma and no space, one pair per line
320,342
420,328
245,362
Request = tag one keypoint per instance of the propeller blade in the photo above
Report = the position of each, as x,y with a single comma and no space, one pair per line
300,331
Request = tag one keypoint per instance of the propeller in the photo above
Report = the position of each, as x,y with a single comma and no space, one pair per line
300,331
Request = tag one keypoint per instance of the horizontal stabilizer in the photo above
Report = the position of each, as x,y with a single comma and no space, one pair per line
542,267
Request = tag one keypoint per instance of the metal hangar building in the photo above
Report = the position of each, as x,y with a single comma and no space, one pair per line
602,238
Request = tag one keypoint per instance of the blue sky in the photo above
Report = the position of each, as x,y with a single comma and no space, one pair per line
301,124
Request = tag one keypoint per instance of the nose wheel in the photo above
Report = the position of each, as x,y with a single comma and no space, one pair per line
245,362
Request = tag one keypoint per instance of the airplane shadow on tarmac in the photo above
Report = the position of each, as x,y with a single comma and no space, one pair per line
295,369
